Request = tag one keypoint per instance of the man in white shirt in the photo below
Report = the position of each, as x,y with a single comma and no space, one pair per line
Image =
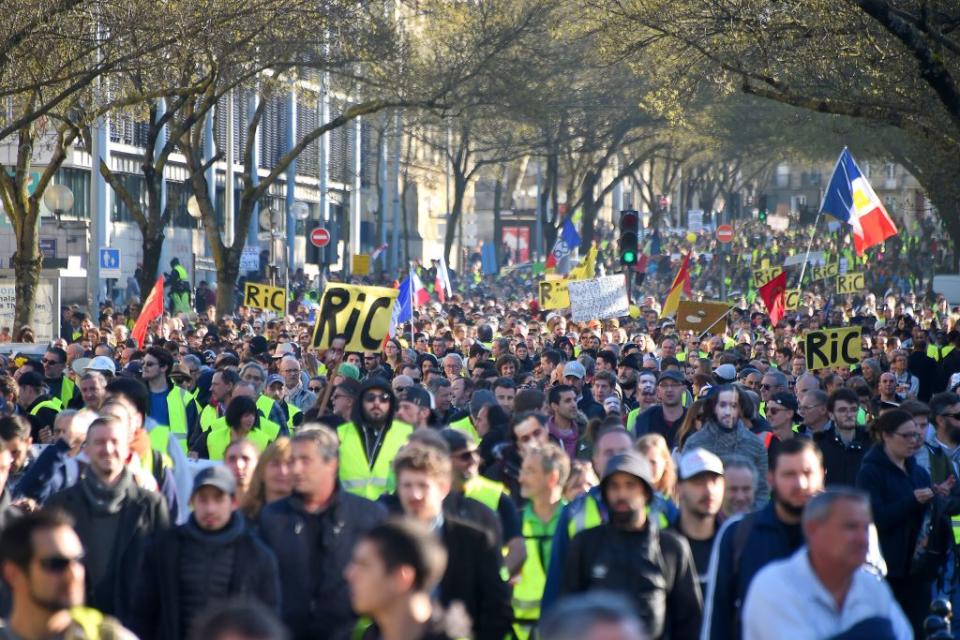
825,590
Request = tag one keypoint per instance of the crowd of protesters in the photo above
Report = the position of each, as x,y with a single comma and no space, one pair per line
494,470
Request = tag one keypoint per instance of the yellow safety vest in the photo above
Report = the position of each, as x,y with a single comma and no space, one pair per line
292,411
465,425
221,436
177,413
632,419
67,391
208,416
485,491
357,474
265,405
587,517
528,591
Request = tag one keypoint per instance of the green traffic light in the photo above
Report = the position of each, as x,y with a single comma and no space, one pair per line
629,257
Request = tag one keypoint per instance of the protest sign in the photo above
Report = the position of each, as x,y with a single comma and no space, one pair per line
826,348
850,283
702,316
554,294
263,296
598,298
360,314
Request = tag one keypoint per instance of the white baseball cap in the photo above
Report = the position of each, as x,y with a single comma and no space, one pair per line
697,461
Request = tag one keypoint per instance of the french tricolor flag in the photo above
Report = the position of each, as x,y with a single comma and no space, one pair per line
850,198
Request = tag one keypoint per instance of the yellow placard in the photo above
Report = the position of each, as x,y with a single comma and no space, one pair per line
554,294
361,315
263,296
827,348
360,264
819,272
794,298
850,283
765,275
702,316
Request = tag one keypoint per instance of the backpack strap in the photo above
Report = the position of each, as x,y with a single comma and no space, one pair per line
740,537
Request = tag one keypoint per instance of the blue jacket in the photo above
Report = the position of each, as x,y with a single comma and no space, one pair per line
896,512
769,539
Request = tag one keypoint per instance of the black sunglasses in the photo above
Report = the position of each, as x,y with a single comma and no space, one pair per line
382,397
58,564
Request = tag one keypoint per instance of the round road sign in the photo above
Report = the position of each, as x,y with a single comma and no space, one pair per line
320,237
724,233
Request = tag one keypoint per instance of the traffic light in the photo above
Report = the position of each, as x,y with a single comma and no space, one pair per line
762,209
629,237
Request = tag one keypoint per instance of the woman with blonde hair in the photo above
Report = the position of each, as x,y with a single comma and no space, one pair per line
272,479
653,446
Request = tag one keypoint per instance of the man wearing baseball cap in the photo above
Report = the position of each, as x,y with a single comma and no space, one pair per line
414,407
633,556
574,374
700,496
213,556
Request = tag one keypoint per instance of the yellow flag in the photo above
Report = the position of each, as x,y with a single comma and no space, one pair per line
585,270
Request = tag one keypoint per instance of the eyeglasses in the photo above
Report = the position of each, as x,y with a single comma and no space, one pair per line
913,435
400,389
376,397
766,387
955,416
810,407
58,564
47,361
315,389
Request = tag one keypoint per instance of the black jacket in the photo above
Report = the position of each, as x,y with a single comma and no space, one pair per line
157,610
841,462
896,512
312,550
653,568
473,578
143,514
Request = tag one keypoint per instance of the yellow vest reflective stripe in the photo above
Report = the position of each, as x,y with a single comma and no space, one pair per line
955,525
51,403
356,473
177,414
180,271
587,517
485,491
89,620
221,436
67,391
465,425
528,592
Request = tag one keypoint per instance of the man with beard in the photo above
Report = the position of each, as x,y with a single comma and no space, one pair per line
746,545
632,556
940,453
370,442
700,497
646,397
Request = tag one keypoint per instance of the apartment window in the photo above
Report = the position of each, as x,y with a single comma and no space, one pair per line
133,184
890,170
78,181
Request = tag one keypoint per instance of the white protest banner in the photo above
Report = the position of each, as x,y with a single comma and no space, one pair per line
46,313
598,298
816,257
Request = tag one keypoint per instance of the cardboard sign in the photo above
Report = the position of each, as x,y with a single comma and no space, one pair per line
598,298
554,294
794,298
361,315
850,283
702,316
263,296
828,348
821,272
360,264
765,275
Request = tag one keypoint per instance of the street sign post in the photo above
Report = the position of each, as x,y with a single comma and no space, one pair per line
320,237
725,233
109,262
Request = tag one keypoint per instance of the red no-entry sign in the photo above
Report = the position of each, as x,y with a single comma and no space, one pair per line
724,233
320,237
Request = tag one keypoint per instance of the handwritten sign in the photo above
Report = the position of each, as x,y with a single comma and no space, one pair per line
598,298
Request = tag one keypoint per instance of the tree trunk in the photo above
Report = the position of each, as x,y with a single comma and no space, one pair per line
227,276
497,218
459,191
150,268
588,210
27,262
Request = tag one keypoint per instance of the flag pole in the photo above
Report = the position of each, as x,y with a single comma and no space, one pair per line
411,298
806,257
715,322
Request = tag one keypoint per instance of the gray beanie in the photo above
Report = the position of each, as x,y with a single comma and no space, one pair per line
480,399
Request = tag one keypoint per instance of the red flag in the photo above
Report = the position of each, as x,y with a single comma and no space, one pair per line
151,310
774,295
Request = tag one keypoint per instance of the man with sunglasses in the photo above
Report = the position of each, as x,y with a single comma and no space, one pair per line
54,362
42,560
940,453
370,441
